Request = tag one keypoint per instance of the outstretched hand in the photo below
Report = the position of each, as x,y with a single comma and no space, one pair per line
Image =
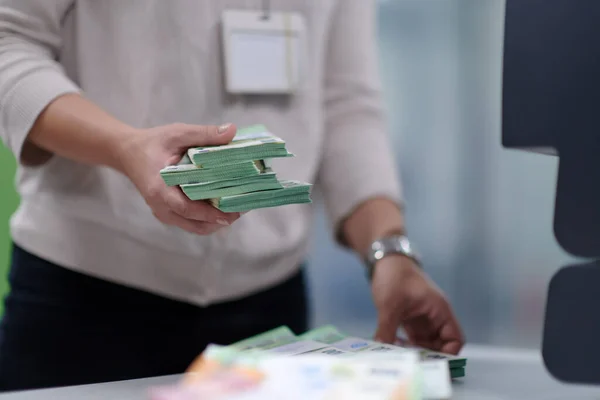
144,154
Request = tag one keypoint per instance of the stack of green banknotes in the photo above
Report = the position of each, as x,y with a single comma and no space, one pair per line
238,176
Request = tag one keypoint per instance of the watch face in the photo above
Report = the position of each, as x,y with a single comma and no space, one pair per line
391,245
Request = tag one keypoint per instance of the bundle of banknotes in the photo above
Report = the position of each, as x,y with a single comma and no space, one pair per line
321,364
238,176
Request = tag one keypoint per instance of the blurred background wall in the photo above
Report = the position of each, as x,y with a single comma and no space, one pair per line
480,215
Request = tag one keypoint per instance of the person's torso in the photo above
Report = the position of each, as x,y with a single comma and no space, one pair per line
156,62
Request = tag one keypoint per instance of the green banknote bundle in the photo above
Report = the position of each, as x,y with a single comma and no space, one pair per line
291,192
187,173
237,177
231,187
252,143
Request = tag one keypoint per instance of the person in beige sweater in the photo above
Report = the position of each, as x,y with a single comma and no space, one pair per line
115,275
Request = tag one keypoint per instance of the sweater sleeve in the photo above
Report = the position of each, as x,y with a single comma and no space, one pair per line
357,162
30,76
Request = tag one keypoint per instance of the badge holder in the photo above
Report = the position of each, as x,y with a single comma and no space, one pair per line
263,51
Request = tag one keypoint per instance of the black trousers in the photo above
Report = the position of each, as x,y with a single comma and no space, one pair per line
64,328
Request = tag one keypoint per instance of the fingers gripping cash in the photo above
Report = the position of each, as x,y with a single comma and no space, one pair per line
237,177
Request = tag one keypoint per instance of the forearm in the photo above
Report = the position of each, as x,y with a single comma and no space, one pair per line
371,220
75,128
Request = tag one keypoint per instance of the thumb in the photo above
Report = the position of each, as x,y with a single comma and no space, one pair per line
387,328
187,136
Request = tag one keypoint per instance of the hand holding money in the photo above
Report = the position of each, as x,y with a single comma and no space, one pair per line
237,176
146,153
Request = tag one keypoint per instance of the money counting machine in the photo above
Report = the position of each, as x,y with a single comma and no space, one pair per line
551,104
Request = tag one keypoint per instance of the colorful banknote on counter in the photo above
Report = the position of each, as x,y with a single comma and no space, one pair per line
320,364
332,336
226,373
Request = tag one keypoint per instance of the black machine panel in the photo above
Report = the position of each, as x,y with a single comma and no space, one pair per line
551,103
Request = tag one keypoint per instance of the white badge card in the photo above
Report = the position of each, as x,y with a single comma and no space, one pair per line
263,52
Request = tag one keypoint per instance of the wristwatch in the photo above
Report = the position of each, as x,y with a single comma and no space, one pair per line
388,245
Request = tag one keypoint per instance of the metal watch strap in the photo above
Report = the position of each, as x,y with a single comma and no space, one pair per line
389,245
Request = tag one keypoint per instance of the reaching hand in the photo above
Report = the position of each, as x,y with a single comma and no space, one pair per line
145,153
405,297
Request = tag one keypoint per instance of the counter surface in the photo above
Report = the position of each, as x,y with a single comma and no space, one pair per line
492,374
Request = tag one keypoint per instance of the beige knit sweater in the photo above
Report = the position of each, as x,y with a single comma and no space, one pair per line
155,62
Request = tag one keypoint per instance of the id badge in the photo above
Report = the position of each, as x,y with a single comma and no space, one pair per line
263,54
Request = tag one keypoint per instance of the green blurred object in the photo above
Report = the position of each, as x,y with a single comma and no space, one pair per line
8,204
456,373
